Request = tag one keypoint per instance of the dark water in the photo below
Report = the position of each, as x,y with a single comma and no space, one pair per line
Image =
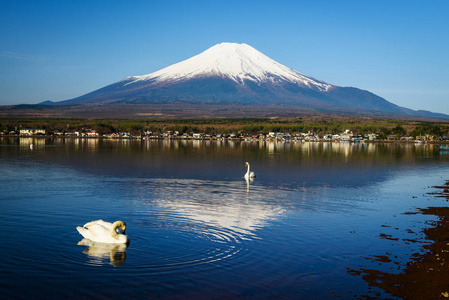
197,228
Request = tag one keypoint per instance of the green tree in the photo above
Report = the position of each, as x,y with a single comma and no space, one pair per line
398,131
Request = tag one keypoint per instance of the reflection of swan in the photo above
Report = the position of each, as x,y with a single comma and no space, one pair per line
248,181
115,252
248,173
104,232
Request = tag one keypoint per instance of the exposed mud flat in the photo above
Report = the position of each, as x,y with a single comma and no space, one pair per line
426,275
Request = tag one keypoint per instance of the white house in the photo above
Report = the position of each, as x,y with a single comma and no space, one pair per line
198,136
32,131
346,135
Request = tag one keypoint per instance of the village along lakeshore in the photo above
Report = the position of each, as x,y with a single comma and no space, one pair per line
250,129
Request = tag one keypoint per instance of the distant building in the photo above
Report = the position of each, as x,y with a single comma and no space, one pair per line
32,131
198,136
92,133
346,135
392,137
126,135
373,136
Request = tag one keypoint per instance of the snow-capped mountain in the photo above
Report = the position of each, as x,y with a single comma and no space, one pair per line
239,75
238,62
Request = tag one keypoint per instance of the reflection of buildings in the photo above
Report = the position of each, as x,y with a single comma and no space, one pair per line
99,252
36,142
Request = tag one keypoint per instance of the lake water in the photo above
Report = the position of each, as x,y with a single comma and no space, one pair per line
197,228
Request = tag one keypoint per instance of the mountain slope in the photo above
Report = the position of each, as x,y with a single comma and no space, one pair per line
237,74
238,62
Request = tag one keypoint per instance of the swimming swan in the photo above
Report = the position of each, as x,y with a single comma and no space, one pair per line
104,232
248,173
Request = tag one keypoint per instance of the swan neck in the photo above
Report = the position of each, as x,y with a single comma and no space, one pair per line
114,227
114,233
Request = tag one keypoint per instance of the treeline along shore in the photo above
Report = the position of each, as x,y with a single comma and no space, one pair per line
310,128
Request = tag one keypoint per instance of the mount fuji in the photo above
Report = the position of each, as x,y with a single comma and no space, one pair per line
239,75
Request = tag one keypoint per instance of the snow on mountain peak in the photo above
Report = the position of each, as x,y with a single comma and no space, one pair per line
239,62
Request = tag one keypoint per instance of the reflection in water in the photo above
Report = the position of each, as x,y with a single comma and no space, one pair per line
314,210
277,163
248,182
101,252
226,209
32,142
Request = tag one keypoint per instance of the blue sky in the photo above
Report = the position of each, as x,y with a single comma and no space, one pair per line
57,50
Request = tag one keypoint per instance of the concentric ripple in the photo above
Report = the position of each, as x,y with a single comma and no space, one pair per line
177,223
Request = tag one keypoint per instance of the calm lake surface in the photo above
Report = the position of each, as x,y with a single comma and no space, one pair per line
197,228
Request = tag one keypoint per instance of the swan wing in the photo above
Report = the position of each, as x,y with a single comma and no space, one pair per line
96,233
101,234
84,232
98,222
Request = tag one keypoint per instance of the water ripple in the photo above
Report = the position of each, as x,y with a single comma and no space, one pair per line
179,223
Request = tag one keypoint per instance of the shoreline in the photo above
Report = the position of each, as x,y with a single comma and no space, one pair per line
425,275
243,139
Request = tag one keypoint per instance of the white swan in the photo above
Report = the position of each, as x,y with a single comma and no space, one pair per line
248,173
104,232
